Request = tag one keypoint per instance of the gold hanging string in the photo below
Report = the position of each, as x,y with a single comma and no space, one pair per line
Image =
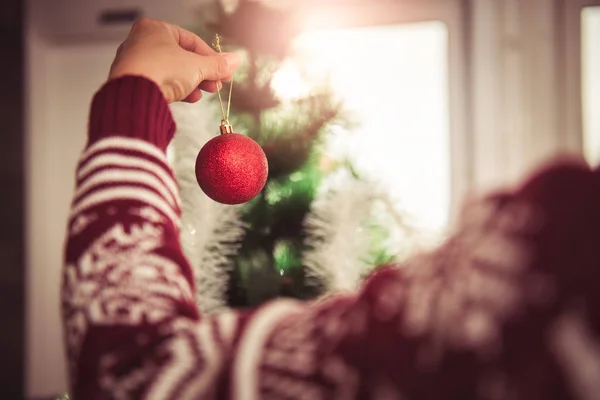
225,125
229,100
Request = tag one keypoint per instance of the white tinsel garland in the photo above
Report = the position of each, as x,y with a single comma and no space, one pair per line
211,232
336,236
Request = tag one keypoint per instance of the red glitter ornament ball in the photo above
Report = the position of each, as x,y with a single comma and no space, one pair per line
231,168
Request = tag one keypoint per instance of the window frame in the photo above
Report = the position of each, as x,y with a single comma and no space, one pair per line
572,71
453,14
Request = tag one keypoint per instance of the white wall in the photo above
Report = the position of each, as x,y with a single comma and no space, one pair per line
61,82
517,96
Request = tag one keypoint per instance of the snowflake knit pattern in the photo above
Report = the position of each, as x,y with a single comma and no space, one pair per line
507,308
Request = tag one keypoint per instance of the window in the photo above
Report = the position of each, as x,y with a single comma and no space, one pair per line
399,99
590,82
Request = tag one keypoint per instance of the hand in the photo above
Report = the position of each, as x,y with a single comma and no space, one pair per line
178,61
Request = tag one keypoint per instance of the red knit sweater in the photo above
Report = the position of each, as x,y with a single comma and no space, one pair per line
507,308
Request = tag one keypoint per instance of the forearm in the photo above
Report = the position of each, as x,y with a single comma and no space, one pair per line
133,329
132,107
124,271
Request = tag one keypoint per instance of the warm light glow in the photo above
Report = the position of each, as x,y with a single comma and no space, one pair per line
322,18
590,83
288,83
393,80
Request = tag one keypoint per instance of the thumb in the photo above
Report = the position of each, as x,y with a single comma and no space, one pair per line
218,66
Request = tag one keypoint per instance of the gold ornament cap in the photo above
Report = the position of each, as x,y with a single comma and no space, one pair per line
225,128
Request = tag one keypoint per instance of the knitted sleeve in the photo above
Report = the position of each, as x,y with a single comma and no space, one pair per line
504,309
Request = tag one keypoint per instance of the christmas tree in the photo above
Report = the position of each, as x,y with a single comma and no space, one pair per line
318,226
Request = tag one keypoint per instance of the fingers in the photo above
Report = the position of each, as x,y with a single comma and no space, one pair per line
188,60
210,86
186,39
191,42
207,86
193,97
218,67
